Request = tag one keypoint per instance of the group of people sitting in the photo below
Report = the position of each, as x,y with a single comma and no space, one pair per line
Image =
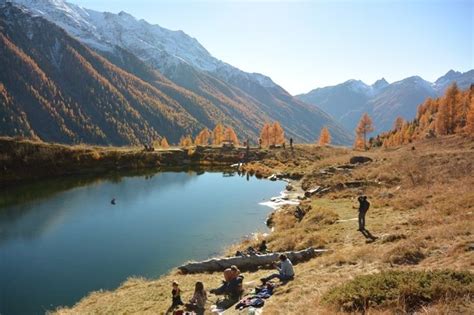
231,288
262,249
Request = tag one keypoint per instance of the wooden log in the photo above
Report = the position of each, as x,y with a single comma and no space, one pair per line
248,262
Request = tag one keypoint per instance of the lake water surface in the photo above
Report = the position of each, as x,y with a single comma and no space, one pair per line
60,239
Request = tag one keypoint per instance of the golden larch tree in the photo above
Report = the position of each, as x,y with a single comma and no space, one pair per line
398,124
186,141
364,127
164,143
218,134
470,119
278,134
324,137
359,142
203,137
230,135
265,135
446,119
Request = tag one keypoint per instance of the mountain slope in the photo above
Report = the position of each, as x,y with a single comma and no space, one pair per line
246,100
59,90
385,102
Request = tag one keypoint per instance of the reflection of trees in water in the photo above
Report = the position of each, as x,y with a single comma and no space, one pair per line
20,222
30,209
23,214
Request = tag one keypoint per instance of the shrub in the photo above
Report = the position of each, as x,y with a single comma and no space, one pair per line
409,290
406,253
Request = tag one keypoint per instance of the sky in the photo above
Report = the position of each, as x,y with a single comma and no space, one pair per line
303,45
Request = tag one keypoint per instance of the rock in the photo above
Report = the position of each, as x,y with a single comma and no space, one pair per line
269,221
290,187
360,160
273,177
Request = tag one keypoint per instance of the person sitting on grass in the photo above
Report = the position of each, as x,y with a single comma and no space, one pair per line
197,303
176,297
231,288
262,248
285,270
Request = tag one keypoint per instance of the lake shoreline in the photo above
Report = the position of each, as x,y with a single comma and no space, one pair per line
23,160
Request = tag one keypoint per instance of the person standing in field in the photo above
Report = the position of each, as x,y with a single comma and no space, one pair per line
363,208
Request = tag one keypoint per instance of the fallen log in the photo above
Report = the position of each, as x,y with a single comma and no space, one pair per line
316,191
248,262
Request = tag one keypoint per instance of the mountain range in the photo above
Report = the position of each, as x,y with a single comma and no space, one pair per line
70,75
384,102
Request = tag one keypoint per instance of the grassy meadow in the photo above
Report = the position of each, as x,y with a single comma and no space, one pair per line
418,257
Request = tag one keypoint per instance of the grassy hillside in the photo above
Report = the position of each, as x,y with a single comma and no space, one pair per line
418,256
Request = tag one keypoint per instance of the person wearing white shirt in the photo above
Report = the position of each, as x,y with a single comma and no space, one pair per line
285,270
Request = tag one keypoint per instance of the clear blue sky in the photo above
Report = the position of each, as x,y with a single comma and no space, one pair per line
302,45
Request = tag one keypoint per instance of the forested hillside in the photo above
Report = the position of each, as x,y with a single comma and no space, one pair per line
452,113
57,89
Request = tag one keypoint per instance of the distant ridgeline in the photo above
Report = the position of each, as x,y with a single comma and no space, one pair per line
453,113
57,87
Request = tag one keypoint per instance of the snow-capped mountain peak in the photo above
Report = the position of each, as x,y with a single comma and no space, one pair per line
380,84
159,46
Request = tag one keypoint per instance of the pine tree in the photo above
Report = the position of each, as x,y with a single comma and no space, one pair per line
218,134
265,135
164,143
231,136
186,141
470,119
359,142
278,134
446,118
364,127
203,137
324,137
398,124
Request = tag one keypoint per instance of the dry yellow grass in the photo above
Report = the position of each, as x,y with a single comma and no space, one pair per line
422,215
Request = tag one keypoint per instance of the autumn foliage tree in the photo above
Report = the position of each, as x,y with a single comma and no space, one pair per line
218,134
470,119
399,121
324,137
223,133
450,114
231,136
186,141
272,134
364,127
164,143
203,137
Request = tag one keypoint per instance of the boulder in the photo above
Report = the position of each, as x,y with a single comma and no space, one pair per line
360,160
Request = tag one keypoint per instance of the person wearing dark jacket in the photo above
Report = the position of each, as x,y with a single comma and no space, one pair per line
363,208
231,288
